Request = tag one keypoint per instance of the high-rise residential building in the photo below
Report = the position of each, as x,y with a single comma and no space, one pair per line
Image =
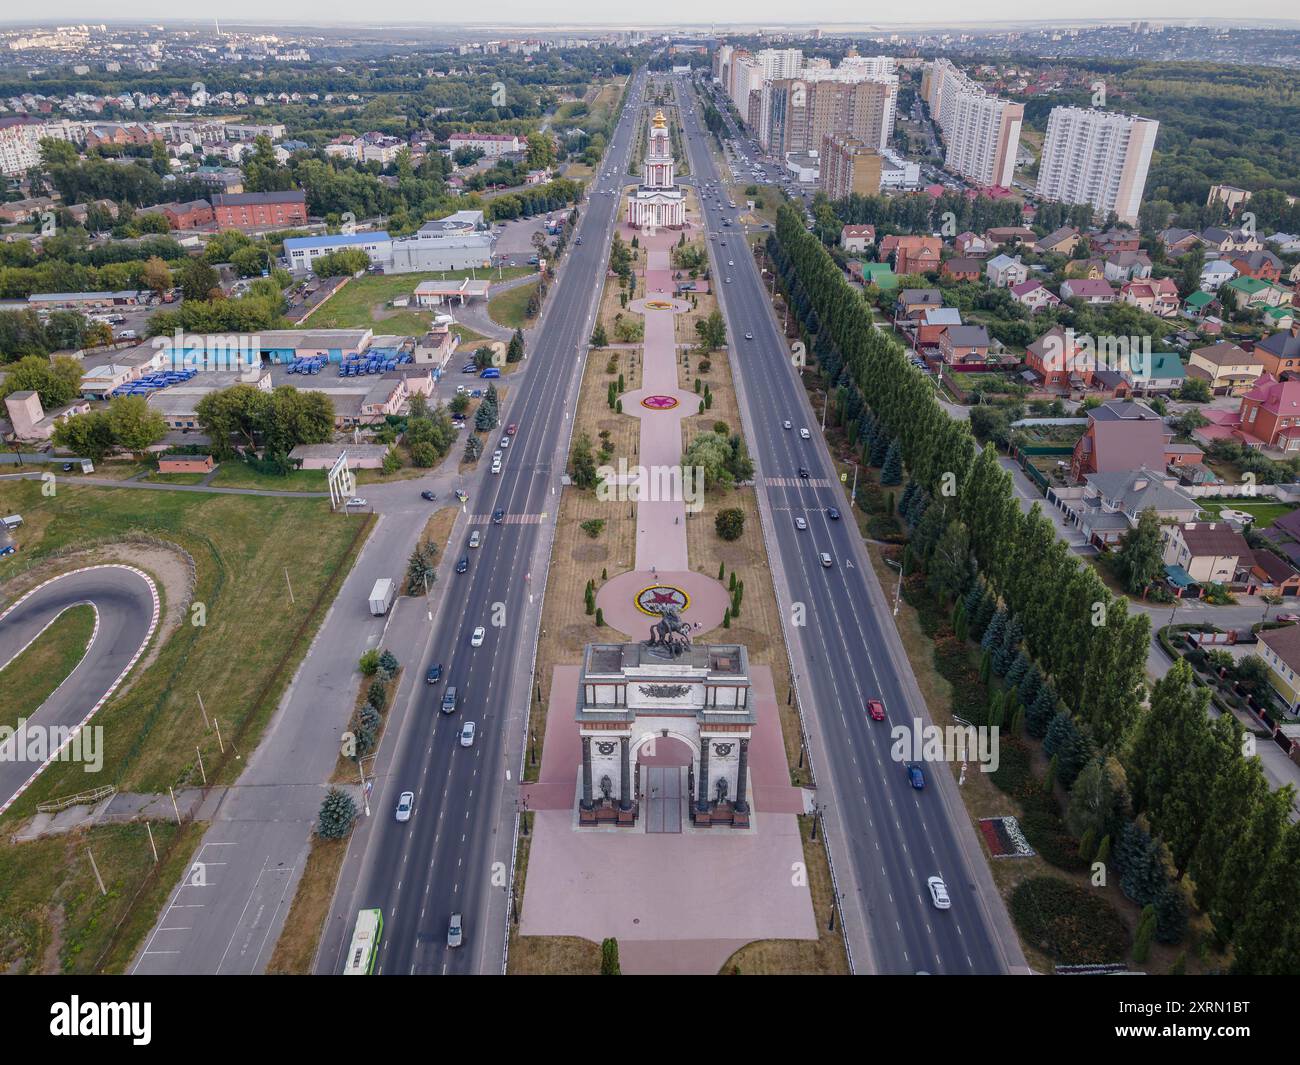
849,167
981,132
1097,157
796,113
780,62
20,148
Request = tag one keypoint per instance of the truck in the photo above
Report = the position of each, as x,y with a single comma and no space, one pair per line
381,596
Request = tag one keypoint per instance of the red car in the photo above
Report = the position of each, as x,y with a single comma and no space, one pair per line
876,709
511,429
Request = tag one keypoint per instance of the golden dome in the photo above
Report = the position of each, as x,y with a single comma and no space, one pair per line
659,121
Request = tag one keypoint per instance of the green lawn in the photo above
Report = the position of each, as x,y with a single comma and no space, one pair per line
32,677
236,474
508,308
242,655
362,302
1265,513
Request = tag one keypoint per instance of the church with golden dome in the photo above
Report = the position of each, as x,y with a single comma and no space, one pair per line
657,202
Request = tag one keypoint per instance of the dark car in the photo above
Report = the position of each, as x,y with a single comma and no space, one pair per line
463,565
803,472
498,516
833,513
428,495
435,674
914,775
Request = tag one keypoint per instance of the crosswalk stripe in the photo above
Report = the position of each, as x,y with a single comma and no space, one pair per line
795,482
509,519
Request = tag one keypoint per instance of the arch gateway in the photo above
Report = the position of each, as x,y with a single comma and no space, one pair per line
665,729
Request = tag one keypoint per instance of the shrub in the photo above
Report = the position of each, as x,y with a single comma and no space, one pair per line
377,695
730,523
593,527
1072,924
337,813
369,662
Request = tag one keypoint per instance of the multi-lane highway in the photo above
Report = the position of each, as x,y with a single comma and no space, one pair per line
886,837
451,855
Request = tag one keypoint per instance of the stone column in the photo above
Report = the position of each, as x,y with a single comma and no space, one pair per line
741,805
703,803
625,778
586,773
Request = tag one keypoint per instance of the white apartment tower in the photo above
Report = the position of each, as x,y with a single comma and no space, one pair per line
980,132
1097,157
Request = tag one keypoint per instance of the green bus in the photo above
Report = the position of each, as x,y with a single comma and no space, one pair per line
365,944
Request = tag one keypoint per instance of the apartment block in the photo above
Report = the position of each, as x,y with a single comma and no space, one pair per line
981,132
1096,157
849,167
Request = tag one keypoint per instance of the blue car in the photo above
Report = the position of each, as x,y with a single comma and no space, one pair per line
914,775
435,674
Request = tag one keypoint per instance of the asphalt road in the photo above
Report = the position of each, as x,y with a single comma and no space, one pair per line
125,604
453,854
887,838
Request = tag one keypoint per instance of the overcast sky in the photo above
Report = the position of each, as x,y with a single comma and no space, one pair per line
747,12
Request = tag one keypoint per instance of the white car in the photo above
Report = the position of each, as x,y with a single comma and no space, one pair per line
357,502
731,262
505,442
939,893
405,803
476,640
800,524
804,434
786,424
475,539
467,736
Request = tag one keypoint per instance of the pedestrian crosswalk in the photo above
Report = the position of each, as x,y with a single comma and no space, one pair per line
796,482
509,519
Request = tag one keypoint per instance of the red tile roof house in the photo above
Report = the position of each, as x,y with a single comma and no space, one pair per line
963,268
1034,295
912,255
964,344
259,209
1269,417
1158,296
1123,435
857,238
1271,575
1114,240
1090,290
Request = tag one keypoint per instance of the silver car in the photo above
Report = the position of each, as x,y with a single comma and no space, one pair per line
455,931
405,804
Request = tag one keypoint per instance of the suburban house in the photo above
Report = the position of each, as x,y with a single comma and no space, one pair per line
1114,240
1207,552
960,344
963,269
1280,650
1228,368
1034,295
1002,271
1158,296
1263,265
913,302
1252,292
1280,353
1109,504
1093,269
1225,241
857,239
1062,241
1053,357
1198,303
1127,266
191,215
1269,417
1215,273
1280,317
1089,290
1178,241
932,323
1123,435
912,255
1009,235
971,245
1162,371
1272,575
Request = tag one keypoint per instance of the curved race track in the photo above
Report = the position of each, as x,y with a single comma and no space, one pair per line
125,601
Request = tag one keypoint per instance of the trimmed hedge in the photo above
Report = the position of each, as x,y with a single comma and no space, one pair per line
1073,925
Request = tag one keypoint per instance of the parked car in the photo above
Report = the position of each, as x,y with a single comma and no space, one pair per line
405,803
357,501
